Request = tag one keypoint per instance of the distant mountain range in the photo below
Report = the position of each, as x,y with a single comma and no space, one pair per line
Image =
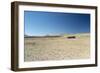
59,35
26,35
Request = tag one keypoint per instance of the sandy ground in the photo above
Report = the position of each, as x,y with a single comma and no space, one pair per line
58,48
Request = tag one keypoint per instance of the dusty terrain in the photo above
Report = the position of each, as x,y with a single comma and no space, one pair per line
57,48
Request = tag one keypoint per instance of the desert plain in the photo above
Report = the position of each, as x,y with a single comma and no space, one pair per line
57,48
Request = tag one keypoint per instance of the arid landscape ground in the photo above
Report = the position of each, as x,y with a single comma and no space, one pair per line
57,48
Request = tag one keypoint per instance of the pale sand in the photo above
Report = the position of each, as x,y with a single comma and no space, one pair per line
60,48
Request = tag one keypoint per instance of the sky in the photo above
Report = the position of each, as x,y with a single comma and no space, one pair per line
39,23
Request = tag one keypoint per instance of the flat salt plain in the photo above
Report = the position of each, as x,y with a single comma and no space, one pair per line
57,48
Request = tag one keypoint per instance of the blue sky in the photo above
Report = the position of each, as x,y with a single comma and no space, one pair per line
37,23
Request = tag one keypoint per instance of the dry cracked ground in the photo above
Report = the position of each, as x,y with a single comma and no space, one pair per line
57,48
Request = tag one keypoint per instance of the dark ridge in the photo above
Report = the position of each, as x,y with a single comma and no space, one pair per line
41,36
